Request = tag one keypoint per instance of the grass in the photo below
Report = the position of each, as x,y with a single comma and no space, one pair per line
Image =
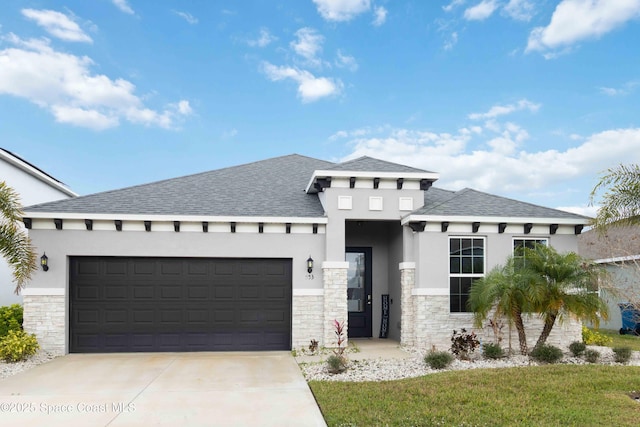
567,395
631,341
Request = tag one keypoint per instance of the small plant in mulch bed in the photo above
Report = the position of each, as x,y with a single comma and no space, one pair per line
492,351
337,362
592,356
18,345
622,354
546,354
577,348
313,346
463,344
438,359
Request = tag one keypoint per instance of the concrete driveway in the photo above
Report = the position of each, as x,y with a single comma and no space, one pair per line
157,389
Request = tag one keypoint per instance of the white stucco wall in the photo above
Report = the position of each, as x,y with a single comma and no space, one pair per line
32,190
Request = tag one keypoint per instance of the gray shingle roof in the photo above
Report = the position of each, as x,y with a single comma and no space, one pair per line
369,164
468,202
273,187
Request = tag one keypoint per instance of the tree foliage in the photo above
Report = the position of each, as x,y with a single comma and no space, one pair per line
15,245
540,281
620,203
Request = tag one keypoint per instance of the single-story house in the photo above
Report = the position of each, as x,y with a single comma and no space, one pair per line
33,185
617,250
266,255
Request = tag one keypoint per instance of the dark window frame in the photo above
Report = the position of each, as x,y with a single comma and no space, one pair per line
467,263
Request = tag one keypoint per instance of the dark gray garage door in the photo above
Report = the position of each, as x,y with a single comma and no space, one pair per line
179,304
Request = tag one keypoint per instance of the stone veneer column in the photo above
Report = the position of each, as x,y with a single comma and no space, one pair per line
334,279
407,316
44,316
307,317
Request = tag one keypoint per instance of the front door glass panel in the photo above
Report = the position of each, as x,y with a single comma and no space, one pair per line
356,292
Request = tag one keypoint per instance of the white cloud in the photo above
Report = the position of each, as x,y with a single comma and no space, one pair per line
481,11
499,169
346,61
265,39
308,45
452,41
310,88
380,16
341,10
520,10
64,85
576,20
187,17
123,5
501,110
57,24
626,89
231,133
453,5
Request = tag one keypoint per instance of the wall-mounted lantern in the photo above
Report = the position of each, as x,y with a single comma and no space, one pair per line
309,265
44,262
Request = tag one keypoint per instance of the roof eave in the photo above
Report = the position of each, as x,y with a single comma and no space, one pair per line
495,219
185,218
416,176
36,173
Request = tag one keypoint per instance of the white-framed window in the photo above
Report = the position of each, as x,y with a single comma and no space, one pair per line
467,263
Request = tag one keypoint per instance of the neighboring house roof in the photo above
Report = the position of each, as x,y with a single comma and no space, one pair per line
614,243
468,202
276,188
273,187
369,164
35,171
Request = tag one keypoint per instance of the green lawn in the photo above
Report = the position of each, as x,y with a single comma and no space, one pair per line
552,395
632,341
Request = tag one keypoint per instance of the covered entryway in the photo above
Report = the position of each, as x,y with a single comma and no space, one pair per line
126,304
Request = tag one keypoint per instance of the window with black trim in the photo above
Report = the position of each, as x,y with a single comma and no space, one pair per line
520,243
466,264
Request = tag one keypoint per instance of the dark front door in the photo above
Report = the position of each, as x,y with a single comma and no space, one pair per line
179,304
359,292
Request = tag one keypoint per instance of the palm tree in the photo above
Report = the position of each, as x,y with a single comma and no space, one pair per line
566,285
506,290
15,245
620,204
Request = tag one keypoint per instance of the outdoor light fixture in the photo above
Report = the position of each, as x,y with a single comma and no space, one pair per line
309,264
44,262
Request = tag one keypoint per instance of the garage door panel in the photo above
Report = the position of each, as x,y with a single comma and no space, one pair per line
179,304
115,268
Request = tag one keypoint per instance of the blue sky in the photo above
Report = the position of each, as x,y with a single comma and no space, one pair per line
526,99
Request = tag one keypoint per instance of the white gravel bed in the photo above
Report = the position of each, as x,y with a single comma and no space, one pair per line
8,369
395,369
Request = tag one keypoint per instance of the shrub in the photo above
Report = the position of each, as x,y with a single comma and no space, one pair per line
592,356
463,343
18,345
594,338
492,351
622,354
10,318
336,364
546,354
577,348
438,359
